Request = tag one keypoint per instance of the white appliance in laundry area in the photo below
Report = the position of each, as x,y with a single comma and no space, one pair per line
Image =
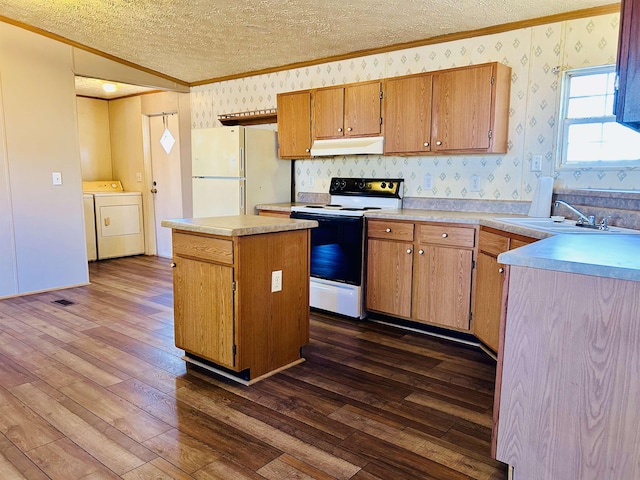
118,223
236,168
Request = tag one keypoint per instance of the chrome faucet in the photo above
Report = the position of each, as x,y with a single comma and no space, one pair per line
589,220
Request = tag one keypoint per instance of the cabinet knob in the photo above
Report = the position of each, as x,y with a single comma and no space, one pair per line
173,264
501,270
438,143
307,150
339,129
388,230
349,129
426,144
445,235
421,252
408,250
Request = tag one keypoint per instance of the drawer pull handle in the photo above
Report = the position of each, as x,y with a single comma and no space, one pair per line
445,235
173,264
421,252
501,270
388,230
408,250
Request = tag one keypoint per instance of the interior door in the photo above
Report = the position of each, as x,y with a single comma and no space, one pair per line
165,171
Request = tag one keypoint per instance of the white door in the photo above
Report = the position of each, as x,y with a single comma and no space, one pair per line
165,171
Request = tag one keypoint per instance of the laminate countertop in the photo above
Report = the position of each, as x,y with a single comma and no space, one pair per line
602,255
238,225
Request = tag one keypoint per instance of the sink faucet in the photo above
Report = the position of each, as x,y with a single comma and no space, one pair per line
590,220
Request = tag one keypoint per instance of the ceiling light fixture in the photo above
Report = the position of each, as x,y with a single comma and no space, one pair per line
109,87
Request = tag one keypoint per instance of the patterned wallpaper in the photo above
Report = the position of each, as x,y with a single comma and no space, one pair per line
536,55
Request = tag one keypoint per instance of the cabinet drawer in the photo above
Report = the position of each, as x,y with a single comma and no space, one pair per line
447,235
390,230
203,248
492,243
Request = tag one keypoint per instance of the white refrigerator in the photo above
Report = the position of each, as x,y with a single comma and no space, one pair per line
236,168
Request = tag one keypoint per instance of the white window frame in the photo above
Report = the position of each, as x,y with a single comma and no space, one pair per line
564,122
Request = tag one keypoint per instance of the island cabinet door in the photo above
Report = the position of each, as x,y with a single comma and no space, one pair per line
203,310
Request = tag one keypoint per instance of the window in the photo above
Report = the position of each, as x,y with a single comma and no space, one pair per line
589,134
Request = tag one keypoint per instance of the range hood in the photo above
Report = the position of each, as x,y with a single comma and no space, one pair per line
348,146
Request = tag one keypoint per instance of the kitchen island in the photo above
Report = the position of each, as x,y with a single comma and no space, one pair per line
241,293
568,369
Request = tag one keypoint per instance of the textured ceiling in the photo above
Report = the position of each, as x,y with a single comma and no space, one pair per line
198,40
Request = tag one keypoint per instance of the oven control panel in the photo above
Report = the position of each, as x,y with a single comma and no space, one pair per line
388,187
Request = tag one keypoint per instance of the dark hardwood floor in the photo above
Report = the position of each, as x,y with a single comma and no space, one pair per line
97,390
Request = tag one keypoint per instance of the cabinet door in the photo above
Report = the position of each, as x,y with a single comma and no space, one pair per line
203,310
407,115
461,113
294,125
488,304
442,286
389,271
328,113
627,97
362,110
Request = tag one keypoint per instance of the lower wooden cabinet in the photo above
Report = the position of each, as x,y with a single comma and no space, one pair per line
421,271
489,283
226,310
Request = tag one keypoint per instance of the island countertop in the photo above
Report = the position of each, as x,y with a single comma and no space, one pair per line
238,225
611,256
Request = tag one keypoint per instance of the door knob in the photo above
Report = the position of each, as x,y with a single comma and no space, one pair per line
154,190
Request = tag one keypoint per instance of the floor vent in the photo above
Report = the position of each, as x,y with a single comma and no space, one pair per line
63,302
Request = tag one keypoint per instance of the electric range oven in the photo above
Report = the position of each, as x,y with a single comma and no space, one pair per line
337,245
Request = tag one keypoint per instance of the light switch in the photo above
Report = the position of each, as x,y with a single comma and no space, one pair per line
56,178
138,177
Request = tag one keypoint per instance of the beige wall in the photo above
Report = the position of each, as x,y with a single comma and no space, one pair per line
94,136
127,152
39,131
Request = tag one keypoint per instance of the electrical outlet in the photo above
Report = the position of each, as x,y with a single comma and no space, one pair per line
536,163
475,183
56,178
276,281
312,181
428,182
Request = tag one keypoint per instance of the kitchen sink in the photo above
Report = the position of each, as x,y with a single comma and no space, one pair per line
565,226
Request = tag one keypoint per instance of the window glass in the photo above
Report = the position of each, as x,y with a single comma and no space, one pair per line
589,135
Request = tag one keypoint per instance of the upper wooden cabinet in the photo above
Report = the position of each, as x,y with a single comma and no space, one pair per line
407,114
294,124
460,110
347,111
627,98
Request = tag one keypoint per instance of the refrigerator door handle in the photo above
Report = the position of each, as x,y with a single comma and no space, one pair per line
242,199
242,161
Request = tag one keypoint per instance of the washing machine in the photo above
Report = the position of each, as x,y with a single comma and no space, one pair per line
89,211
118,219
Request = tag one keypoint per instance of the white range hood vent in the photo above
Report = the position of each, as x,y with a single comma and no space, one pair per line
348,146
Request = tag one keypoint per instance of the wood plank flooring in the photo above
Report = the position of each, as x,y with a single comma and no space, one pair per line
97,390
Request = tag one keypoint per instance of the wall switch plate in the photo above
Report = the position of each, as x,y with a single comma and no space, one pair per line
536,163
138,177
475,183
312,181
428,182
276,281
56,178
